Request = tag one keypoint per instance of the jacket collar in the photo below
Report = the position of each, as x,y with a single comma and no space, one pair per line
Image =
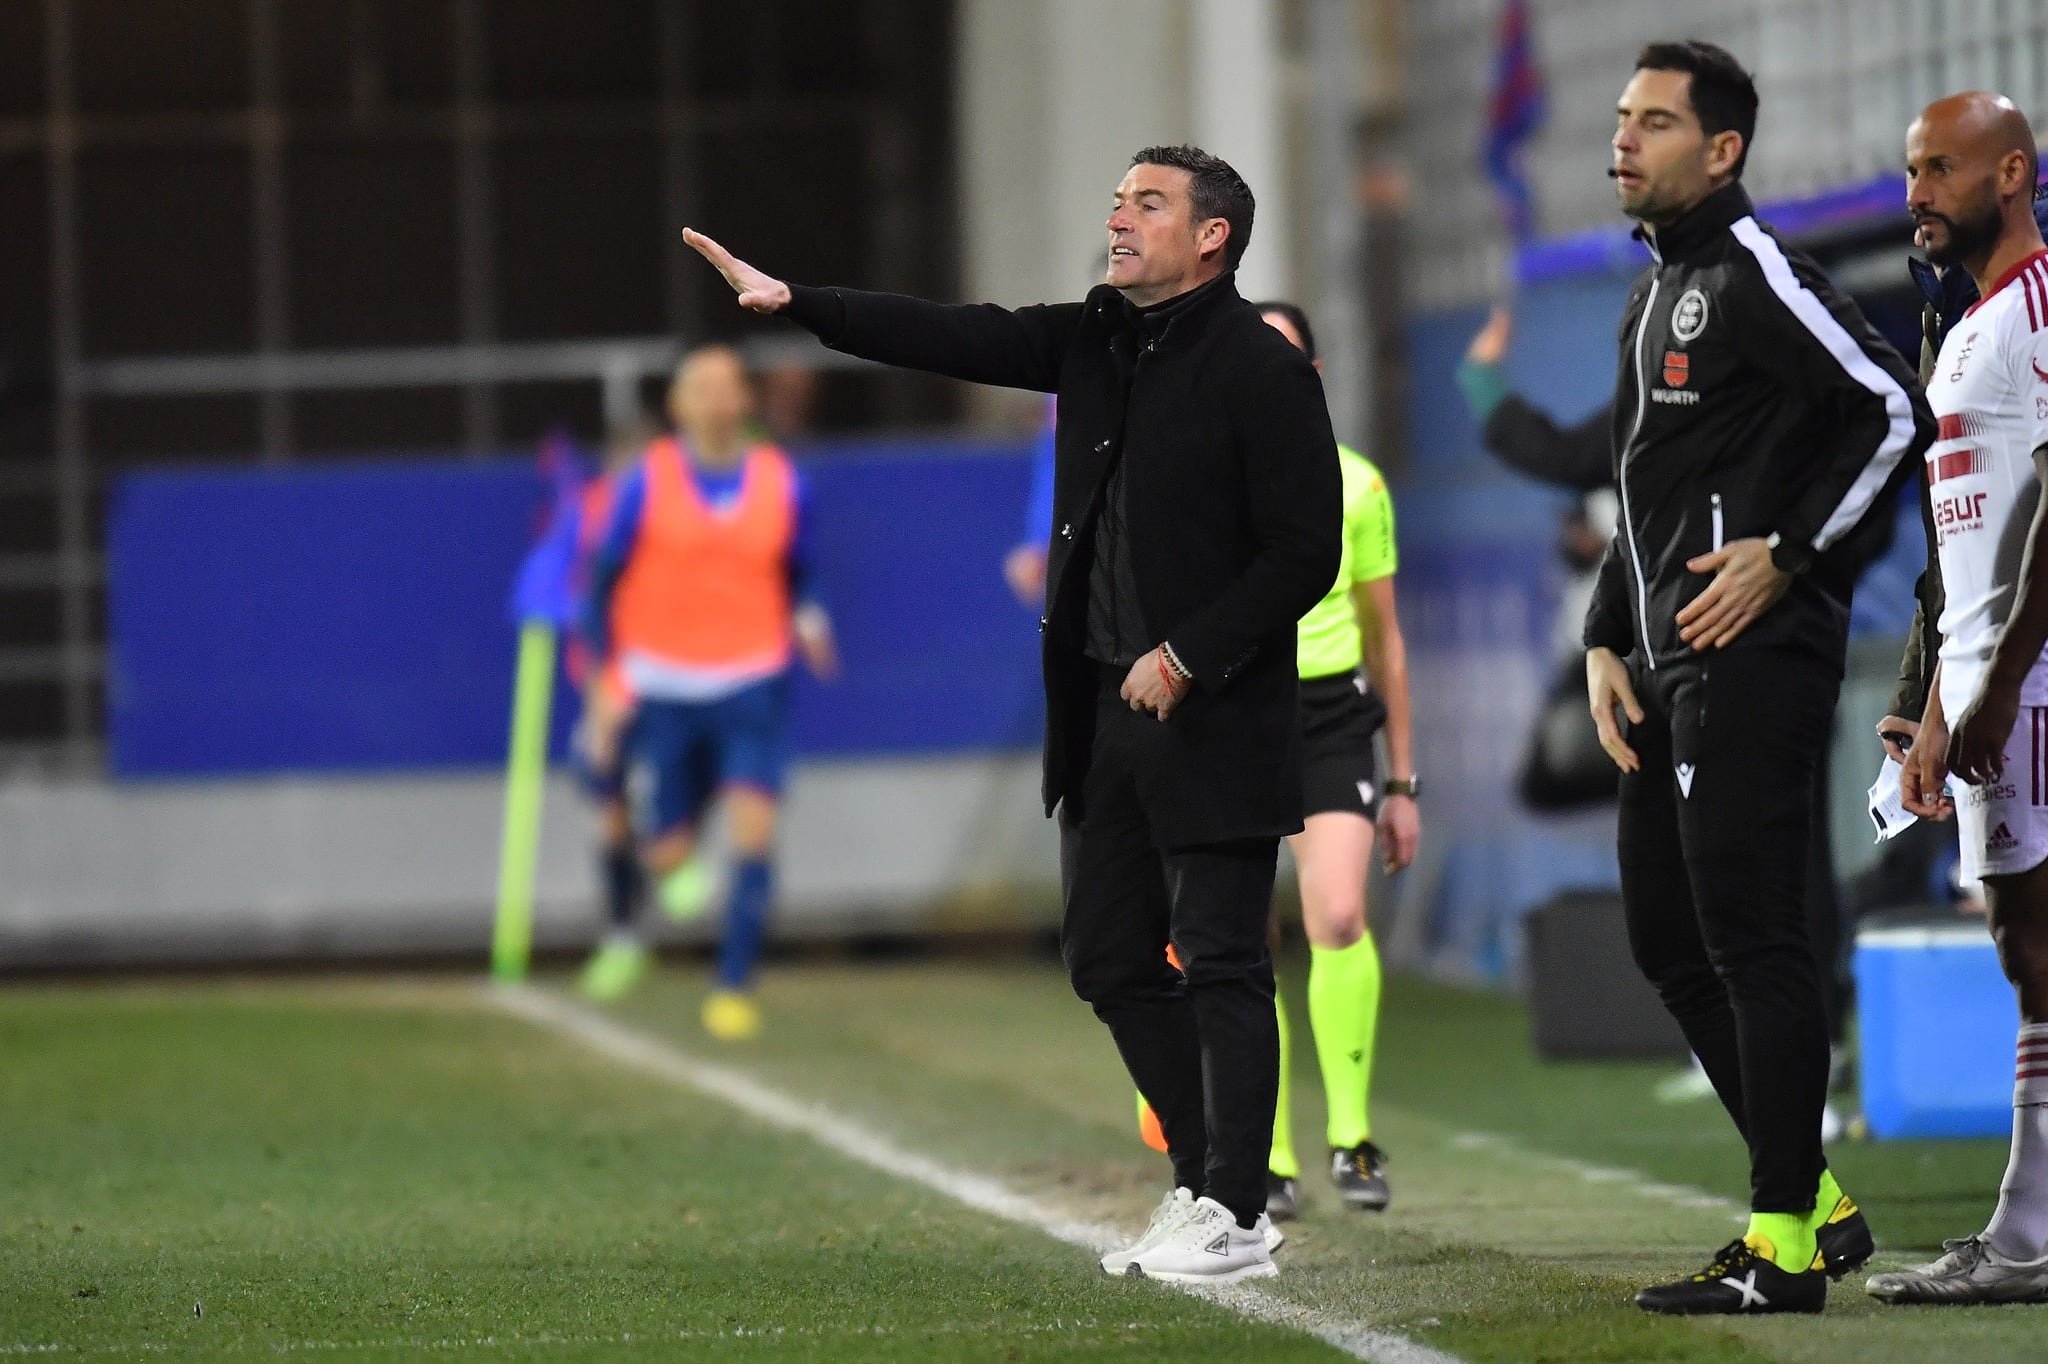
1707,220
1157,321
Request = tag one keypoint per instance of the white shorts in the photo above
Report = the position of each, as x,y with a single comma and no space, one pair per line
2004,825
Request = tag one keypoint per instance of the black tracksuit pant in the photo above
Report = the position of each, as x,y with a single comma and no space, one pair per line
1201,1043
1714,836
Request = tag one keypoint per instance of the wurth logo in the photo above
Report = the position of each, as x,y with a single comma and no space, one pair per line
1677,368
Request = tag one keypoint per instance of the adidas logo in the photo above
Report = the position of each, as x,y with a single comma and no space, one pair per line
2000,839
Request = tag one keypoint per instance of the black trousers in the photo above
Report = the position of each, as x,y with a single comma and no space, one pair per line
1201,1043
1715,833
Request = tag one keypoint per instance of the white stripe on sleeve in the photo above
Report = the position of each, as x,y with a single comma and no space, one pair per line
1898,407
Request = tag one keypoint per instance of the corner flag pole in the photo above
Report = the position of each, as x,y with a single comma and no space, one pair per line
525,776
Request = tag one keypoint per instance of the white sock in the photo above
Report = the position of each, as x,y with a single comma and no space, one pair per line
2019,1228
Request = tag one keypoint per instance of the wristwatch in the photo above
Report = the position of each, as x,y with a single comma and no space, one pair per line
1789,556
1410,787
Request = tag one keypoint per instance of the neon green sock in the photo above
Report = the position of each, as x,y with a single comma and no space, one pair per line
1344,1011
1785,1238
1282,1161
1825,1200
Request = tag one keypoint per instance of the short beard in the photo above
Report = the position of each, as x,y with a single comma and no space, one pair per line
1969,236
1657,208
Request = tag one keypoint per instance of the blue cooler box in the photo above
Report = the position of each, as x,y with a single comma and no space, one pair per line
1936,1024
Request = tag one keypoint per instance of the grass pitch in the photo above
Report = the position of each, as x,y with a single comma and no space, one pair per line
391,1171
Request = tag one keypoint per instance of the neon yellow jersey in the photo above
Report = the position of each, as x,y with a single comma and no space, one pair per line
1328,642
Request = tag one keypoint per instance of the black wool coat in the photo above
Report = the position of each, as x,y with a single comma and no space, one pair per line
1233,517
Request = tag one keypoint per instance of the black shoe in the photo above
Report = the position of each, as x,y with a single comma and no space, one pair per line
1844,1240
1360,1174
1738,1281
1283,1198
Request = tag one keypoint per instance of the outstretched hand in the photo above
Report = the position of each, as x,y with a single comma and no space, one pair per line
1490,343
761,292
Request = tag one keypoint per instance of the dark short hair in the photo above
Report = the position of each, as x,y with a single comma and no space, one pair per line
1723,95
1217,191
1297,319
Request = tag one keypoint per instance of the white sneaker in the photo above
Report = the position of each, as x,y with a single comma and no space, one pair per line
1971,1271
1171,1212
1270,1232
1206,1246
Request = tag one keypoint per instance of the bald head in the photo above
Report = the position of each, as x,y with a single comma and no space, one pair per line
710,400
1970,173
1986,124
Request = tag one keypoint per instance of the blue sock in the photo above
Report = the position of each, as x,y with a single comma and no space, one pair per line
746,923
621,871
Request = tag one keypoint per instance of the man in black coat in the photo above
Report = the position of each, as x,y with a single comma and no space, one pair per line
1196,516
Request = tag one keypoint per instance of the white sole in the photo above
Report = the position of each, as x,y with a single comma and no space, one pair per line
1265,1270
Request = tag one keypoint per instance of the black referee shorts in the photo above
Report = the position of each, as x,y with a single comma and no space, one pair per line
1338,719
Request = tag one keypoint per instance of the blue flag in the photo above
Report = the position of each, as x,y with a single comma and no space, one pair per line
1514,112
546,589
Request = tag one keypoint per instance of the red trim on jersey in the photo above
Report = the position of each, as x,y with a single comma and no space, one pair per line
2037,285
1956,464
2005,279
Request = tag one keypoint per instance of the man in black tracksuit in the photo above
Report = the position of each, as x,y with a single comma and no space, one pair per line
1758,419
1197,516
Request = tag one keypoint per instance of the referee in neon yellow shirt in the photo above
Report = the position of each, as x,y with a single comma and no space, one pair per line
1346,805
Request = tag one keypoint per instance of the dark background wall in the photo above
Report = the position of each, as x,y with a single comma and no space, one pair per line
243,178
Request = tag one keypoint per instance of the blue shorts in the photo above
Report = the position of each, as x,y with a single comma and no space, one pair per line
681,753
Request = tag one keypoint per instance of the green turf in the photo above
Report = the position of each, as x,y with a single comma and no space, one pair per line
1492,1254
386,1172
391,1175
1463,1056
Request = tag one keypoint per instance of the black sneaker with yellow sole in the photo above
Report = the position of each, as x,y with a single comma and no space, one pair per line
1738,1281
1845,1242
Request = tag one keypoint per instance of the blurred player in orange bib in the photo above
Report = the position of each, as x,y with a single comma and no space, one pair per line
700,593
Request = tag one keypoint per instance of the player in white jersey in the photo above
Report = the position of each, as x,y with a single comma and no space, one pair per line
1992,414
1971,169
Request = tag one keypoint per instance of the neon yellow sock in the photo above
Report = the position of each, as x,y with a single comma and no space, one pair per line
1826,1199
1344,1011
1784,1238
1282,1161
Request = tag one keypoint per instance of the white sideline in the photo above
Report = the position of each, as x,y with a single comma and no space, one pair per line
858,1142
1631,1181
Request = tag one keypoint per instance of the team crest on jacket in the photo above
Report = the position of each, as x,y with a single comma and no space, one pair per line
1677,368
1689,316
